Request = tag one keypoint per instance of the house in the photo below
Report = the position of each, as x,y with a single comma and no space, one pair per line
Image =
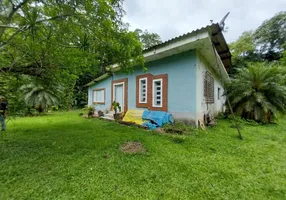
185,78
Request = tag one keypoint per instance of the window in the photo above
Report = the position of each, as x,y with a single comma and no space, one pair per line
152,92
143,90
99,96
218,93
209,88
157,92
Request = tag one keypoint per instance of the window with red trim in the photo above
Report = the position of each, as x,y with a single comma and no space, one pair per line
143,86
143,90
157,93
152,92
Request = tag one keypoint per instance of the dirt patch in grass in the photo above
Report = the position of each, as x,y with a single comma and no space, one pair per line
132,147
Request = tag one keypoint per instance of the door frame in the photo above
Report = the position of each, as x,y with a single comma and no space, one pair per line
123,92
123,82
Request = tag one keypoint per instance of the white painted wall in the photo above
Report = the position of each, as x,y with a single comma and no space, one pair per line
218,105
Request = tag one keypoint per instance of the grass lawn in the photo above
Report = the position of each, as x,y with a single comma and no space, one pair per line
64,156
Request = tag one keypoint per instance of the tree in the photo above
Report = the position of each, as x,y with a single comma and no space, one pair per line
271,36
283,59
244,46
258,92
39,97
265,44
80,94
9,89
243,50
148,39
40,37
59,40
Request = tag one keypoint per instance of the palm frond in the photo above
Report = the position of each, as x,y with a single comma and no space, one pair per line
258,91
39,95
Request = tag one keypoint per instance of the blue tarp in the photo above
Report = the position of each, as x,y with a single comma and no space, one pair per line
156,119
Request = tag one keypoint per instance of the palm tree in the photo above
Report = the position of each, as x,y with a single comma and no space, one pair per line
258,92
38,96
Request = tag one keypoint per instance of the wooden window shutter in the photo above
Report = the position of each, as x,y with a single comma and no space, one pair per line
209,88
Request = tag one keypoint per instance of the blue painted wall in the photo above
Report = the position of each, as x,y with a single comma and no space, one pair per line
181,70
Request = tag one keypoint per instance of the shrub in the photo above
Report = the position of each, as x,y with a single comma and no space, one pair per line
258,92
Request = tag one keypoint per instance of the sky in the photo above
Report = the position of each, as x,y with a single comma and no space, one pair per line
171,18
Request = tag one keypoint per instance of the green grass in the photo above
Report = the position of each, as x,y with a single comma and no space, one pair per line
63,156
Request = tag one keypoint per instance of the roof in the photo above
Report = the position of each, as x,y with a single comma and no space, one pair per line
217,39
221,46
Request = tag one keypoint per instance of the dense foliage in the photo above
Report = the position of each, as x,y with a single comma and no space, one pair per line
271,36
265,44
58,42
40,38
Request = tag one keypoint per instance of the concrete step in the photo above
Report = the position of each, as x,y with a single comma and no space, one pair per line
108,115
111,113
108,118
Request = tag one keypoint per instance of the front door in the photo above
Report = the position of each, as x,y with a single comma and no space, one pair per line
119,95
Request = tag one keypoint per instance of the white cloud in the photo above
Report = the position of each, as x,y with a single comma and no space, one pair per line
171,18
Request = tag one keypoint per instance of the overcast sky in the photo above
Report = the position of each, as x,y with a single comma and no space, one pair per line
171,18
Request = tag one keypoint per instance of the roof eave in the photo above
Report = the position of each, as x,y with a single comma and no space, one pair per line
104,76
